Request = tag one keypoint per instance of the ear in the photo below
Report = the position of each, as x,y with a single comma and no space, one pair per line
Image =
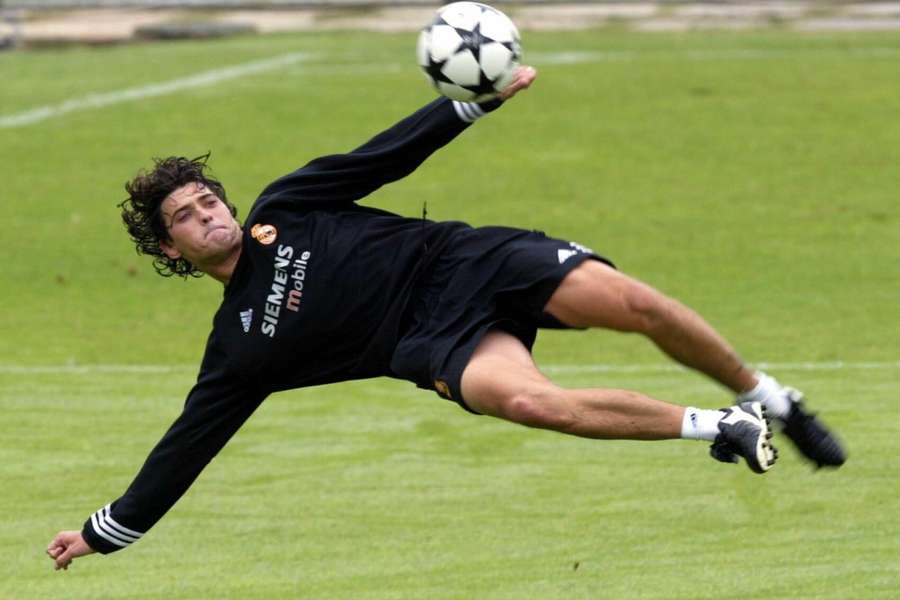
169,250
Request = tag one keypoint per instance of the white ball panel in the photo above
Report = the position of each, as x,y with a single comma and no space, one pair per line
514,31
463,69
506,78
464,15
496,26
454,92
495,59
444,42
422,48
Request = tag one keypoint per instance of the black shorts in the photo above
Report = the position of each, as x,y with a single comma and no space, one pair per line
489,277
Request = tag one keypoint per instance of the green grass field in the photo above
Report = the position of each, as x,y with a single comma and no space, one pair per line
755,176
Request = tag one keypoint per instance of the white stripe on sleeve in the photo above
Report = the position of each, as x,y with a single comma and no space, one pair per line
468,111
107,517
103,534
112,531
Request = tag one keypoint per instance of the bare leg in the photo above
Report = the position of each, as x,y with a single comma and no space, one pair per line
502,380
596,295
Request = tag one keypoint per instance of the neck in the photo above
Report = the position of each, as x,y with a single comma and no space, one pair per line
223,270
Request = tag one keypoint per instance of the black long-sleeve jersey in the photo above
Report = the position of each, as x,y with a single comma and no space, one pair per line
318,296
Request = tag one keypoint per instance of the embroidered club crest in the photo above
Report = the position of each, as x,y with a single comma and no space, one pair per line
264,234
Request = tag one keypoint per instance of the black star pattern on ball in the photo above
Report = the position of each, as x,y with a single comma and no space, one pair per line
483,87
434,70
514,48
471,42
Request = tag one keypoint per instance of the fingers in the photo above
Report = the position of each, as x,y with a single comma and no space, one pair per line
63,549
57,546
56,550
64,560
523,79
527,74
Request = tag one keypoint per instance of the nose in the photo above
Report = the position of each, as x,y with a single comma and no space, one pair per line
205,216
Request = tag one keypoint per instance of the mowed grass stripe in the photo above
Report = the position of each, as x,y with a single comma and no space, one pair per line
723,54
220,75
335,493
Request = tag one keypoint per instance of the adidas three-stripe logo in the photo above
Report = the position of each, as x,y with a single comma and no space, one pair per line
107,528
565,254
246,319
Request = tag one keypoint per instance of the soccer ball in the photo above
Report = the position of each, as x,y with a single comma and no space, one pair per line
470,51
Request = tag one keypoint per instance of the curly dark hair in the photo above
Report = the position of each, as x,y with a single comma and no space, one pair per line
141,210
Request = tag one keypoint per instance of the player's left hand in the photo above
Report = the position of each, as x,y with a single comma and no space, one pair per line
524,77
66,546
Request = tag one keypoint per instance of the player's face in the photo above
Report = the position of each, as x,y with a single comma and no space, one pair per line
200,226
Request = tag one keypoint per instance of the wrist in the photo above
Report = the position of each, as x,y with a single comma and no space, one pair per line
492,104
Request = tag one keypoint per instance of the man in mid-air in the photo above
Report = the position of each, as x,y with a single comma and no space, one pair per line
318,289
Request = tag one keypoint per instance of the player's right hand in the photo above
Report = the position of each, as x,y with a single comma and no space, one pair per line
66,546
523,79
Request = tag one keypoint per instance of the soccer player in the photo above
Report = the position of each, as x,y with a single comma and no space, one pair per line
318,289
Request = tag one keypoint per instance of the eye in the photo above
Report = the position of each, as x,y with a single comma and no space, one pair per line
183,216
212,201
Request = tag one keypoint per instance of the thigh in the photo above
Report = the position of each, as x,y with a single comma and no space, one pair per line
597,295
500,368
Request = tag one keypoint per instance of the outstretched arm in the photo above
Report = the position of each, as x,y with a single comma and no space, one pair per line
215,409
390,155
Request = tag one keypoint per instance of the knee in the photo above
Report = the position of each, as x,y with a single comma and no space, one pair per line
544,408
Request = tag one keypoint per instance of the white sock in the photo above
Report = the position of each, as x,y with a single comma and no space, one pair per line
700,424
770,393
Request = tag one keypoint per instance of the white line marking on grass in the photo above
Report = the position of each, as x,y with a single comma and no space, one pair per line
203,79
836,365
